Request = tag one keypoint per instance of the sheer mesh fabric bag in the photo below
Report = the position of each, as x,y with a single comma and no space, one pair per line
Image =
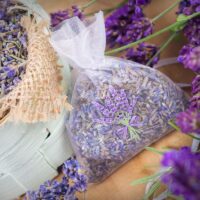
119,106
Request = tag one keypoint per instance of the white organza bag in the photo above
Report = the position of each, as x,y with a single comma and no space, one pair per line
119,107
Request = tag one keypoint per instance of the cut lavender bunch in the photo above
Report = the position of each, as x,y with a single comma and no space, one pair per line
13,45
73,181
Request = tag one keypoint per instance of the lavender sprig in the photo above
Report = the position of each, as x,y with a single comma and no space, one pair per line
73,181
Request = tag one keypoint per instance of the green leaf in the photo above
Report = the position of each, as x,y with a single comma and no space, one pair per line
154,150
178,26
147,179
152,190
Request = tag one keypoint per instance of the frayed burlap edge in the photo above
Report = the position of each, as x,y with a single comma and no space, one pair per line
39,96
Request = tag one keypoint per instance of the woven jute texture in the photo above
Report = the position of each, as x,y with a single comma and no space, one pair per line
39,96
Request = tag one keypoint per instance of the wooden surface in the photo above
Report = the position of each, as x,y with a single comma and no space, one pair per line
117,186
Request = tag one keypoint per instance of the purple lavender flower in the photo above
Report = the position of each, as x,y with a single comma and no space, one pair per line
139,2
183,177
192,31
143,53
189,121
188,7
195,100
190,57
66,189
127,24
58,17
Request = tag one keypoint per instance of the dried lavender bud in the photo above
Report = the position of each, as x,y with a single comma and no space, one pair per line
119,110
13,45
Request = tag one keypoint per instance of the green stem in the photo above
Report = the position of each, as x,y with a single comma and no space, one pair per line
173,125
108,10
165,11
88,4
168,28
152,190
154,150
164,45
142,40
194,137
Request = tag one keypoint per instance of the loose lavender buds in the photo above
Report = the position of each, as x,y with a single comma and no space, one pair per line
13,45
119,110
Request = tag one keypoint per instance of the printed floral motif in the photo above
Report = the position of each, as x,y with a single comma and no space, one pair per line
117,109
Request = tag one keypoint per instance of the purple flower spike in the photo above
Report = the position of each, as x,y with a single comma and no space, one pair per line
58,17
127,24
192,31
190,57
139,2
189,121
143,53
195,100
188,7
183,177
